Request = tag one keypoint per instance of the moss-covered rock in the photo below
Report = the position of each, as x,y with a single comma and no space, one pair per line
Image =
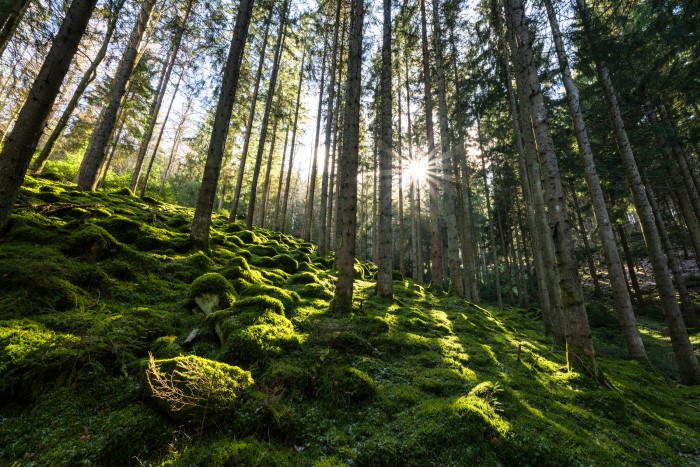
289,298
230,452
286,263
197,390
248,237
91,242
166,347
212,291
349,383
270,335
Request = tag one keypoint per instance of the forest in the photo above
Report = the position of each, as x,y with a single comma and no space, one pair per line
345,232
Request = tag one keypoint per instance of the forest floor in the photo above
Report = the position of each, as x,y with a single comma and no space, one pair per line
100,364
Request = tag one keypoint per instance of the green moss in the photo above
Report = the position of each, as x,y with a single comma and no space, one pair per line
248,237
212,291
263,250
91,242
197,390
288,374
166,347
349,383
441,381
259,304
286,263
288,298
315,290
124,192
271,335
303,278
228,452
190,267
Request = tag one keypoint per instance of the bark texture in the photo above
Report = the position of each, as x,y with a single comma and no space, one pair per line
22,141
229,85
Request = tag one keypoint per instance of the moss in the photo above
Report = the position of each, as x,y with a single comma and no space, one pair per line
35,229
166,347
91,242
229,452
141,235
124,192
303,278
102,423
238,268
263,250
289,375
197,390
190,267
286,263
248,237
234,227
315,291
276,277
262,340
441,381
211,291
288,298
349,383
442,425
259,304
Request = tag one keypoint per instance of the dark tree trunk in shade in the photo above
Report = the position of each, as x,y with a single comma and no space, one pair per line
222,118
22,140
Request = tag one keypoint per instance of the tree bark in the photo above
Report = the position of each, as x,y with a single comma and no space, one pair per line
88,77
21,142
308,227
249,123
279,48
384,250
94,157
685,356
293,144
623,304
579,343
323,211
168,66
436,257
266,183
347,195
687,308
11,14
222,118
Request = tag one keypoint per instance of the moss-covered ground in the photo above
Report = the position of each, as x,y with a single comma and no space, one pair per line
121,345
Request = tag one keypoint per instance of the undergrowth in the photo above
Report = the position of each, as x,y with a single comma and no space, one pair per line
122,345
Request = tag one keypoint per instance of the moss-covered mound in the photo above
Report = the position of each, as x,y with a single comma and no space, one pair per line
91,283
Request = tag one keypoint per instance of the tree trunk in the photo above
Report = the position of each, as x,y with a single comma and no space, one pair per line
347,195
11,14
454,260
21,142
168,66
687,308
308,227
251,118
623,304
176,146
489,217
384,250
147,175
88,77
580,351
587,247
222,118
279,48
532,187
323,212
280,180
95,154
436,257
293,145
266,183
685,356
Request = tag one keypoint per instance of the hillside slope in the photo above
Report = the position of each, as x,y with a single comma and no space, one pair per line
92,283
